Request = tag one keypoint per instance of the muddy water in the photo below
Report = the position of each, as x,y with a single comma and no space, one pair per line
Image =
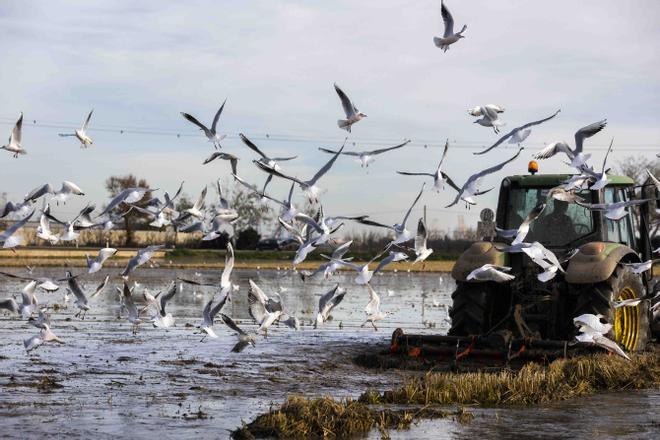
109,382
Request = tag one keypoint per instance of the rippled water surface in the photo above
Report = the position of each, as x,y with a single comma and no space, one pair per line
167,382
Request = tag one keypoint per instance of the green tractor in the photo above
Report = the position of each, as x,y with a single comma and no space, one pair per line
593,251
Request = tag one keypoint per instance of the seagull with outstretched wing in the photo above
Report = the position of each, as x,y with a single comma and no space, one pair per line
210,133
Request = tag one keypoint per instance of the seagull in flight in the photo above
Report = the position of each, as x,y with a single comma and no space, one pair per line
233,160
490,118
127,196
439,177
353,115
9,238
327,302
421,251
81,299
307,186
365,157
332,265
402,233
613,211
577,157
142,256
592,331
470,188
270,162
265,311
523,229
480,110
601,179
208,315
373,309
81,133
14,144
491,272
94,265
518,134
211,134
449,37
244,339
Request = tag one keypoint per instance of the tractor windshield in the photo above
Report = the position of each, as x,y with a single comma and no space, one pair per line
558,225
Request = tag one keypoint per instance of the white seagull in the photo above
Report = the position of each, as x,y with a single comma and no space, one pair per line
470,188
373,309
197,209
208,316
577,157
490,118
491,272
518,134
449,37
365,157
142,256
211,134
244,339
613,211
523,229
592,331
14,144
307,186
132,310
9,238
421,251
439,177
81,133
127,196
402,233
327,302
353,115
94,265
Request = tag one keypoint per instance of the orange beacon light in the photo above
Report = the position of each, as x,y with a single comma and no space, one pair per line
533,167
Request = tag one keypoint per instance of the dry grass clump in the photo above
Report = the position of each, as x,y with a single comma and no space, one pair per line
326,418
534,383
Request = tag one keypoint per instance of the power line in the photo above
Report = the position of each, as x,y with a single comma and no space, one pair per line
297,138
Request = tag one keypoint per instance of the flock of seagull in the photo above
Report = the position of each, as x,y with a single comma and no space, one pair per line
310,232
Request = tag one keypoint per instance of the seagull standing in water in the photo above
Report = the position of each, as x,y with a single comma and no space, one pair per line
518,134
327,302
211,134
449,37
439,178
353,115
14,144
244,339
577,157
81,133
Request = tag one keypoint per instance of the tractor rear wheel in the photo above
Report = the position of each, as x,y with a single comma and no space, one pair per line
470,309
630,325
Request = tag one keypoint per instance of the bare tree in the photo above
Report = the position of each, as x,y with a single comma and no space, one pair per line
115,185
635,167
251,212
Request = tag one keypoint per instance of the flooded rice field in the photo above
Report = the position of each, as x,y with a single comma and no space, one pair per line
106,382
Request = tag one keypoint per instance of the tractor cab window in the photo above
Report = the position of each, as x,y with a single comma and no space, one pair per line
559,224
618,231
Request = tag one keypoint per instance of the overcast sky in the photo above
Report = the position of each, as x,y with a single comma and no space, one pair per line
139,64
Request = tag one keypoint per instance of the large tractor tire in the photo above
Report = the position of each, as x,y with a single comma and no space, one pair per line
630,325
469,311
